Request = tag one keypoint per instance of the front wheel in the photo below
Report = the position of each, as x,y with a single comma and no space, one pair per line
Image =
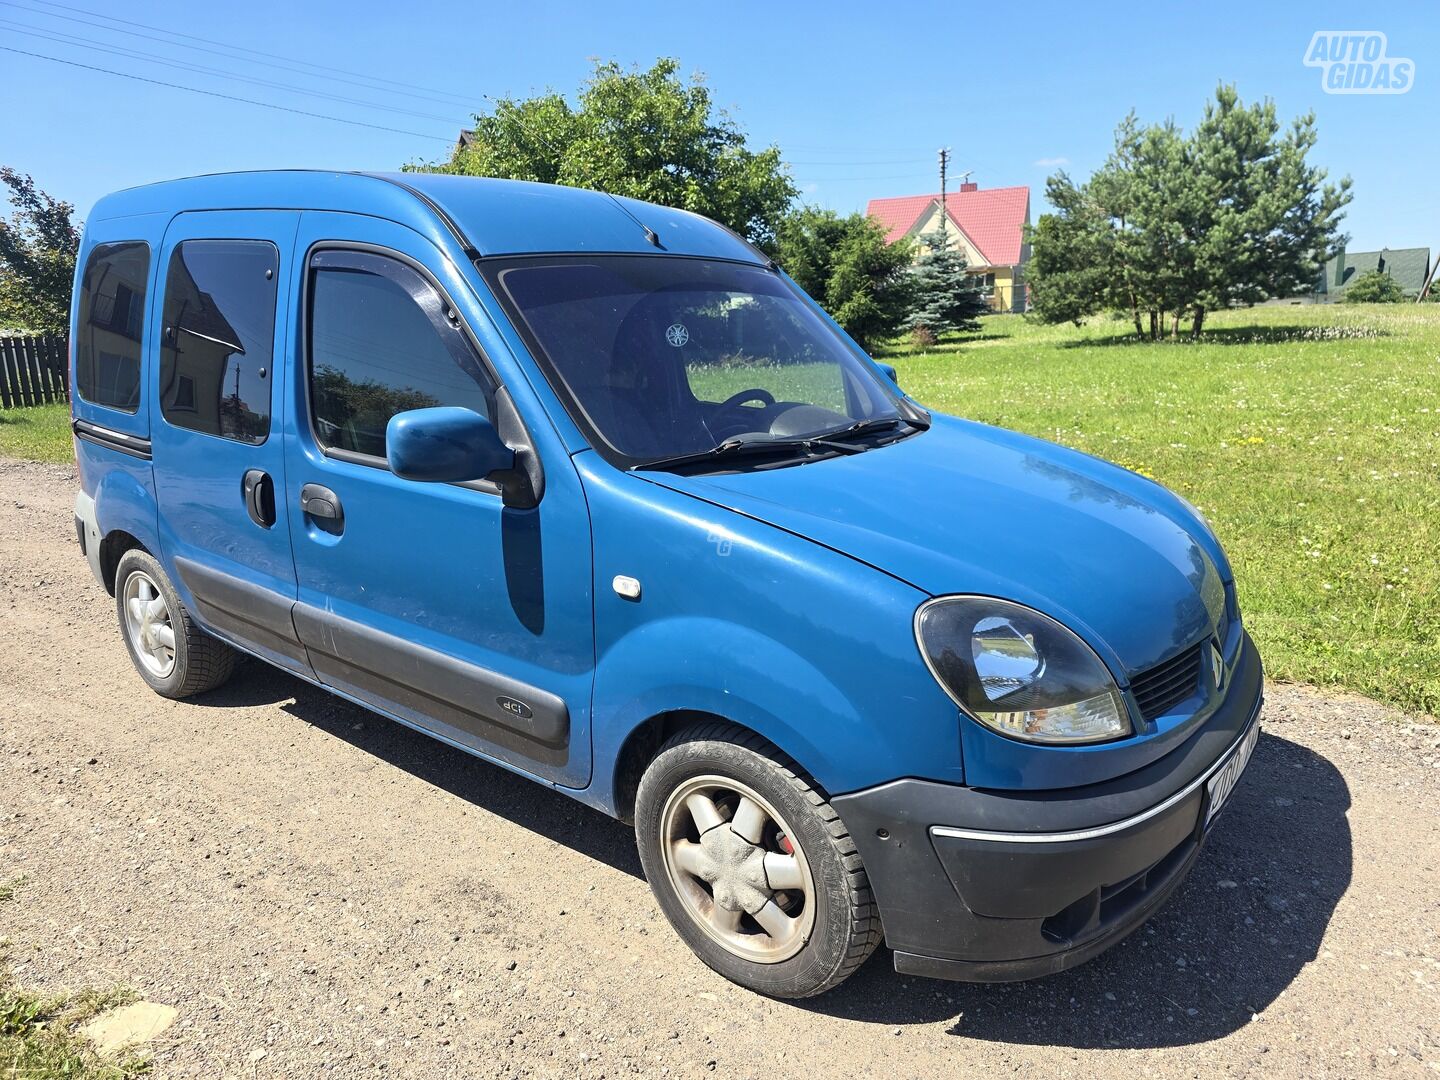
751,866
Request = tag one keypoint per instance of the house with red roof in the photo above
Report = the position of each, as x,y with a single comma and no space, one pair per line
987,226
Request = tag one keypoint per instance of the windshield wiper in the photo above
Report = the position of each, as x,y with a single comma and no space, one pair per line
836,441
862,428
743,446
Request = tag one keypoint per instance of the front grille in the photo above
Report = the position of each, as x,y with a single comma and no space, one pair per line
1166,685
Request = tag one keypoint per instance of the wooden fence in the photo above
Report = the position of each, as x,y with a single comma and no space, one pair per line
33,371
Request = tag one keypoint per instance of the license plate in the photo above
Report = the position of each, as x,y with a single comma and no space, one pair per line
1223,782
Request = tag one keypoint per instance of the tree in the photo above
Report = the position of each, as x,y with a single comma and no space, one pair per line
647,134
846,265
1109,245
1173,225
943,297
1072,257
1375,287
1264,221
38,245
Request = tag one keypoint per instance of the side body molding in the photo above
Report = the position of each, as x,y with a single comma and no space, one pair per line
258,617
461,701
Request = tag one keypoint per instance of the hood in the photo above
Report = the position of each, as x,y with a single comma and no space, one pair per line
967,508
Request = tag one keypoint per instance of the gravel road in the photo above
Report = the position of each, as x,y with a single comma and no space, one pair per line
321,892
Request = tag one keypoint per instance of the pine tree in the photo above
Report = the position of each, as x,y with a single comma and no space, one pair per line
944,297
1176,225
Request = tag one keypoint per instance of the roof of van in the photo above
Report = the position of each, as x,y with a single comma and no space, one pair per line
485,215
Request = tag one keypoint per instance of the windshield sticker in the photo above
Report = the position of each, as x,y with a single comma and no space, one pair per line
677,335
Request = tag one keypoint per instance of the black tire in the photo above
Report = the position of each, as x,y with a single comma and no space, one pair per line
201,662
846,926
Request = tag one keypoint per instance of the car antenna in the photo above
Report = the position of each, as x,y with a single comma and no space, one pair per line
650,234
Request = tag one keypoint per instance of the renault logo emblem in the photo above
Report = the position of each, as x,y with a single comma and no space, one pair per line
1217,666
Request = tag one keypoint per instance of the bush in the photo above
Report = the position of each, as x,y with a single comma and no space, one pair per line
845,264
1375,287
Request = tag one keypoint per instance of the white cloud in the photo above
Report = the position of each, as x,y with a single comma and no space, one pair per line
1051,162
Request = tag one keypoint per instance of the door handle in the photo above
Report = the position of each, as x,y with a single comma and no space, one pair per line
322,504
258,491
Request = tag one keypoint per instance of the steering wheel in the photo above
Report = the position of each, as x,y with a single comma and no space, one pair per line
728,411
734,401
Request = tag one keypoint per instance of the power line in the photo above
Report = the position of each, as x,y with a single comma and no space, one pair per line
904,161
226,97
857,150
837,179
228,51
61,38
403,87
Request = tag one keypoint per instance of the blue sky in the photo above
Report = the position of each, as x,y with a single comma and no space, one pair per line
858,96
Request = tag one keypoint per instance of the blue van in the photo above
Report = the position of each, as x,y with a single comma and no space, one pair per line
590,489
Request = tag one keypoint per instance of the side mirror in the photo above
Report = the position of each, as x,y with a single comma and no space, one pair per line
889,372
444,445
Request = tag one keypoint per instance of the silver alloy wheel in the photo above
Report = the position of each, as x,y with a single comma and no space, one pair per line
725,849
148,624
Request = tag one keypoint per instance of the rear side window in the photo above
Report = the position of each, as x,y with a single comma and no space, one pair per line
112,325
218,339
382,342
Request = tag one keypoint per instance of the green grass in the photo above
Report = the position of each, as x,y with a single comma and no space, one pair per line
38,1034
38,1037
37,433
1308,436
818,384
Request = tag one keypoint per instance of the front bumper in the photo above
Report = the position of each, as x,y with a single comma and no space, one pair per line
990,886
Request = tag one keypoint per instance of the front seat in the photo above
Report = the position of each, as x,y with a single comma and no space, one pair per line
653,412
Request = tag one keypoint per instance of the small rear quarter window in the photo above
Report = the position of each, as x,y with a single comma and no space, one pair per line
112,325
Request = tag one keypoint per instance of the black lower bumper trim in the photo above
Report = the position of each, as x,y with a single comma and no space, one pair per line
1034,967
960,899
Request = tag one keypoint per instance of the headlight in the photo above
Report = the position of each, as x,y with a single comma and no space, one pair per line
1018,671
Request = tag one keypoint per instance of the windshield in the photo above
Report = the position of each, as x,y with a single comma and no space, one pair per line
663,356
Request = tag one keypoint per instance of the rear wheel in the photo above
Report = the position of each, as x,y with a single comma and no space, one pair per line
751,865
173,655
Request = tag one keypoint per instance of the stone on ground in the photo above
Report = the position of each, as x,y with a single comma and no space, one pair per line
128,1026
